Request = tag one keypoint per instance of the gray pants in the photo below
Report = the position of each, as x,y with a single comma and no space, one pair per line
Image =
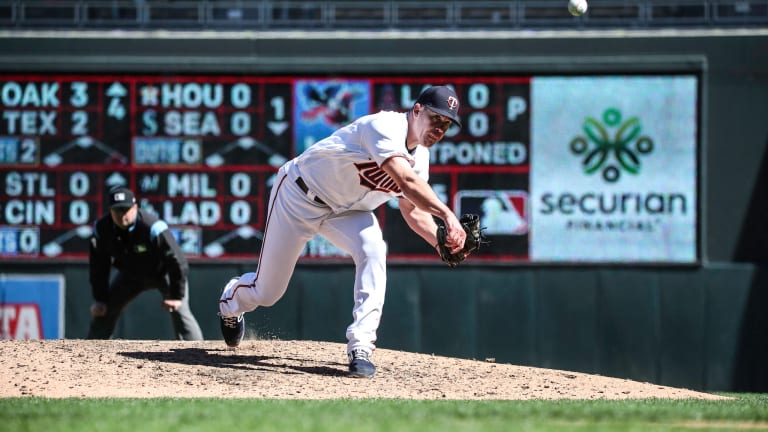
123,289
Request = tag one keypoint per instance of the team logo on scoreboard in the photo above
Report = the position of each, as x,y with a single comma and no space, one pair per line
502,212
322,106
611,146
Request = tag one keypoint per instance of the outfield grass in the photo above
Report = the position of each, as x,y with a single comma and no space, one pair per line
745,412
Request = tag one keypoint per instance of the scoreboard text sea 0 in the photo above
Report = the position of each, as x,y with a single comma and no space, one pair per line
201,152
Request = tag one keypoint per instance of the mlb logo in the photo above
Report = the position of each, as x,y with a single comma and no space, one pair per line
502,212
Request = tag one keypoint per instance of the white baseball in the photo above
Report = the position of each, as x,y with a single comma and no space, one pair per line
577,7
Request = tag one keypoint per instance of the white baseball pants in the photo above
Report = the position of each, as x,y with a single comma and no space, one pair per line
292,220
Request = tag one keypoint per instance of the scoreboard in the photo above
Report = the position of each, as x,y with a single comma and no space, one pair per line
201,153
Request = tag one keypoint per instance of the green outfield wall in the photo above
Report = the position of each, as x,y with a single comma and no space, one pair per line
699,326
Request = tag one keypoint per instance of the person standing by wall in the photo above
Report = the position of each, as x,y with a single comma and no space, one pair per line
146,256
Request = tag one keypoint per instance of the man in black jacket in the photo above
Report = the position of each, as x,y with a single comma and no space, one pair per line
142,249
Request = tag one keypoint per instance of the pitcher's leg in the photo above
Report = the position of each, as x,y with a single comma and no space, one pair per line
291,222
359,234
268,284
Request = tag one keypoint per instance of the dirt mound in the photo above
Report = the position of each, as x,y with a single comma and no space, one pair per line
284,370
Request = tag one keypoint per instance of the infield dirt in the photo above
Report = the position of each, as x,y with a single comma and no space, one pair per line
278,369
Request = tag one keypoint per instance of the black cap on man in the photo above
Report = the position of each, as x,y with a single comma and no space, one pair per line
121,198
442,100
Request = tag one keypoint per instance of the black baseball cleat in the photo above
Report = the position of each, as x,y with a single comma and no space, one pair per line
232,329
360,365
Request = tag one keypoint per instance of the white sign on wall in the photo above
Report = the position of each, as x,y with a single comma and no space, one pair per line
613,169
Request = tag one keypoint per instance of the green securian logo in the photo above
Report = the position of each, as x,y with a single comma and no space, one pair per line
611,154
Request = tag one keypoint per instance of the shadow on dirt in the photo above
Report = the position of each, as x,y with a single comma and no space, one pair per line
227,359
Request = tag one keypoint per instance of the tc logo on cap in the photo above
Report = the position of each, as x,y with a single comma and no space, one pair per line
119,197
453,103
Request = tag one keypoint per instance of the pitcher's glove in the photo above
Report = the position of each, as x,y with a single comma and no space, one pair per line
475,238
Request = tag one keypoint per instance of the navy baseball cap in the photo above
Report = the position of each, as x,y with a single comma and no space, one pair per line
442,100
121,198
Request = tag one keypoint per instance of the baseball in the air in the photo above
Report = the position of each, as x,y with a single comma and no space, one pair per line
577,7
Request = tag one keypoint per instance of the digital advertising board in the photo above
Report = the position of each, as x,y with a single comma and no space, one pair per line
614,169
544,160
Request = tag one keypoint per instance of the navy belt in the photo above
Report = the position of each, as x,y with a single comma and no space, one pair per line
305,189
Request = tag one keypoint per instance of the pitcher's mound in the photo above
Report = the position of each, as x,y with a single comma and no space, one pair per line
285,370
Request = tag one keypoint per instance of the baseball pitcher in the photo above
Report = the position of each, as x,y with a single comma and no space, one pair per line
332,189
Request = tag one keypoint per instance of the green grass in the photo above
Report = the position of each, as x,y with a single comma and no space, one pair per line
745,412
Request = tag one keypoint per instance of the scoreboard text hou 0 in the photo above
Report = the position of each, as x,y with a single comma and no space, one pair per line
201,153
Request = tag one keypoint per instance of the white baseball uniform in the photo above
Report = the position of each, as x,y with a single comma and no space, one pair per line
331,189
